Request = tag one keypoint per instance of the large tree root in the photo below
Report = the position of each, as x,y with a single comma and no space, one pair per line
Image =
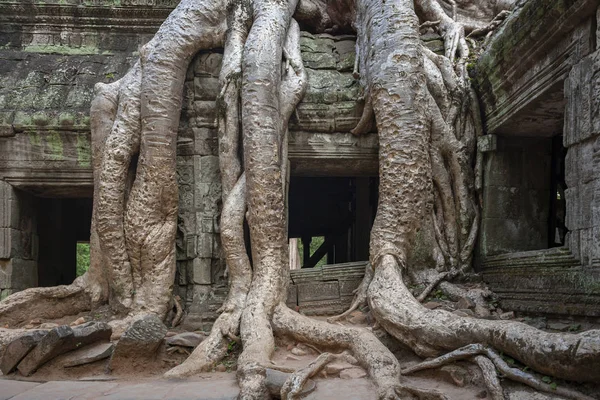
476,351
44,302
380,363
422,109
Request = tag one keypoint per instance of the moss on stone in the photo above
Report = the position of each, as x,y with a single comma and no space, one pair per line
55,145
84,150
65,50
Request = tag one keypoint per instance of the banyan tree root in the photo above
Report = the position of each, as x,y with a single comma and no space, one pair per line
421,107
486,358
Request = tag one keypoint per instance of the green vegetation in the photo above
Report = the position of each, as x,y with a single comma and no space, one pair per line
83,258
314,245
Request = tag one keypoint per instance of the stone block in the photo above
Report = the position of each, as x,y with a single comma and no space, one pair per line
317,291
206,88
17,349
202,271
5,243
579,204
572,166
139,342
23,273
205,113
487,143
347,287
585,160
208,64
292,296
205,141
502,202
185,339
205,245
319,60
89,354
503,168
7,131
59,340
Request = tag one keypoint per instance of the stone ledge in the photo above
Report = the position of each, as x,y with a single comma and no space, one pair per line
543,281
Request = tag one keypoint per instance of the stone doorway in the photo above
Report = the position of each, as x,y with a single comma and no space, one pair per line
62,224
331,218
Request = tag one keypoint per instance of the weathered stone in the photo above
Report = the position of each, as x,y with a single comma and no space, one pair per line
432,305
185,339
17,349
89,354
507,315
298,352
140,341
61,340
78,321
465,303
353,373
558,326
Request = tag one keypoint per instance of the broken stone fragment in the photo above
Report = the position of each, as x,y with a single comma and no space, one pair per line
140,341
465,303
17,349
432,305
298,352
61,340
89,354
78,321
48,325
185,339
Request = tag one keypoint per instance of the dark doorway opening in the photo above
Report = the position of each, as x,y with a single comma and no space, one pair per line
62,224
332,218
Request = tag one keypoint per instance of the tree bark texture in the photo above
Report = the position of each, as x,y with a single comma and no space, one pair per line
427,121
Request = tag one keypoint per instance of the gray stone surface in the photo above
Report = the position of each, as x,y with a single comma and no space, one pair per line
61,340
52,345
17,349
140,341
185,339
89,354
9,389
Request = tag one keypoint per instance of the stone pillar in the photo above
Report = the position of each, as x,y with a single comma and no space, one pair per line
199,266
18,240
582,140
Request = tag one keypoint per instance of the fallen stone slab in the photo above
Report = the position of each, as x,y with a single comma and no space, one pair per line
61,340
185,339
89,354
140,341
17,349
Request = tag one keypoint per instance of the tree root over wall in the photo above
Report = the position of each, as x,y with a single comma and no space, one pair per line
427,120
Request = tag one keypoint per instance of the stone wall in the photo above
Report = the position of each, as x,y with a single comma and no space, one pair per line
582,139
18,240
516,196
538,80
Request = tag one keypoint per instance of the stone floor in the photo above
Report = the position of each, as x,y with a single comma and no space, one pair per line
223,389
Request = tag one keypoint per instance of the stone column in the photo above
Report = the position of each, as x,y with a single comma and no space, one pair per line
582,139
18,240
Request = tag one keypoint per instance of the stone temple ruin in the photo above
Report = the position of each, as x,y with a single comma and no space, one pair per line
539,86
539,243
